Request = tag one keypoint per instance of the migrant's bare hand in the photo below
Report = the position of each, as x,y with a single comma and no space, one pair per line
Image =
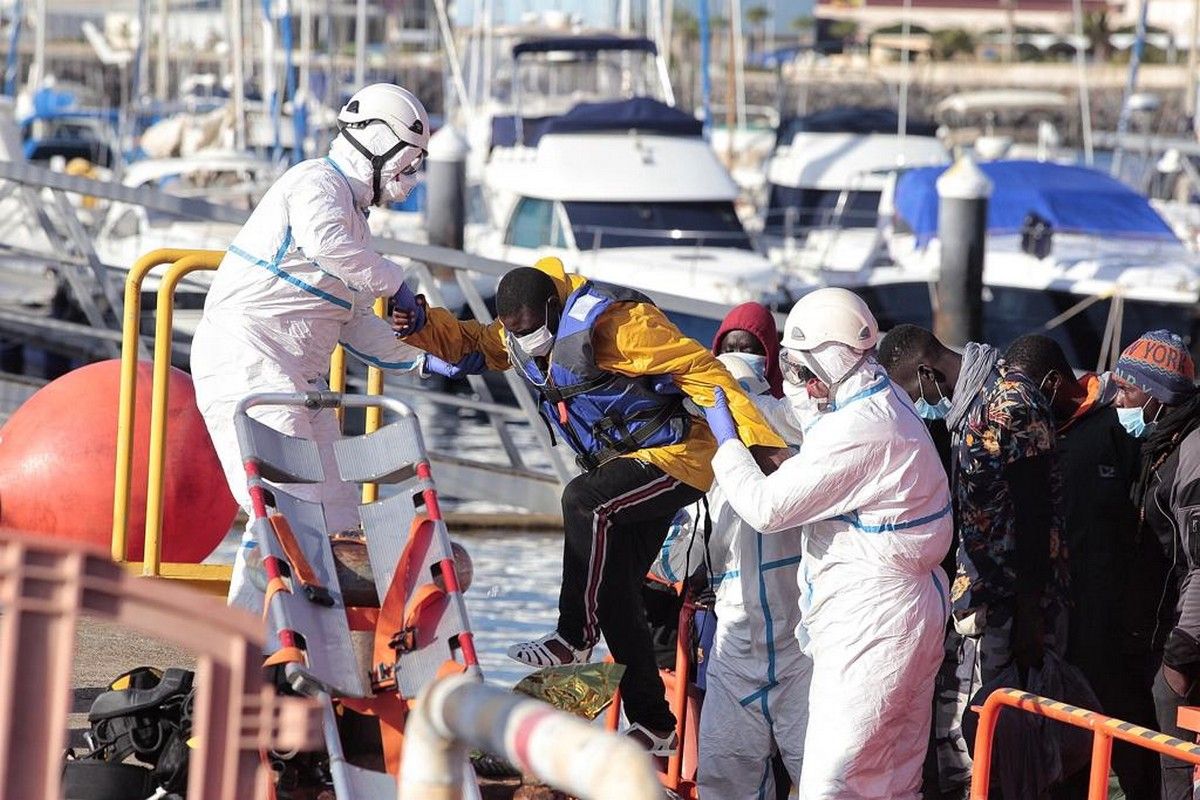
1180,683
405,323
769,458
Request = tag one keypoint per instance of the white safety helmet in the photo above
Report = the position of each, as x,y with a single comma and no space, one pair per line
830,315
396,108
829,332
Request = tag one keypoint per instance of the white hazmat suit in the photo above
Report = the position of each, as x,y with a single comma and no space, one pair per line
300,277
757,676
871,494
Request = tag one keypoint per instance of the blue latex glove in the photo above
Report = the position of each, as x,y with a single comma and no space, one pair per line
720,421
406,303
470,364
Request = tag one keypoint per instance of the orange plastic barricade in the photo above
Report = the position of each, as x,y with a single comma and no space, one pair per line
1104,730
684,701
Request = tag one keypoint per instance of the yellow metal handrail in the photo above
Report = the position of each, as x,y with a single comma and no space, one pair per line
182,263
163,321
128,392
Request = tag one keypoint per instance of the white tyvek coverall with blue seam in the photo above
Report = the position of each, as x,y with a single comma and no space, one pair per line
300,277
871,494
757,676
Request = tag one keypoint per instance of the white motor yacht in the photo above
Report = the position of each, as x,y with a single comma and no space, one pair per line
600,169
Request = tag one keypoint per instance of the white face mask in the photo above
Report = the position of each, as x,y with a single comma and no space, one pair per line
537,343
804,409
400,187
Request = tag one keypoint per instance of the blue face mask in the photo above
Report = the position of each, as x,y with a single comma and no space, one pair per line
755,362
1133,420
938,410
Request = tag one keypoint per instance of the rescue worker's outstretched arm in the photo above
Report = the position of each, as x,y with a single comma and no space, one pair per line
647,343
318,212
370,339
450,339
819,482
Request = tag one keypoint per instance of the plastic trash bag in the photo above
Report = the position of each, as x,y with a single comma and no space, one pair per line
1031,753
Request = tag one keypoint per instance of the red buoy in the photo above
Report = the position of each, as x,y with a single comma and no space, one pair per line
58,460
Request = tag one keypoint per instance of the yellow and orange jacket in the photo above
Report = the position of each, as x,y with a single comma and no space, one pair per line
631,339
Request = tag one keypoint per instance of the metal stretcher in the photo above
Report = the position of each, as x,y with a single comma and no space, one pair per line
420,629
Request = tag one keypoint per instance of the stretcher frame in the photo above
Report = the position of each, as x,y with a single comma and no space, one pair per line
420,631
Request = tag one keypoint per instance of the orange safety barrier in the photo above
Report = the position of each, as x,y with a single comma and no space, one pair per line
684,701
1104,730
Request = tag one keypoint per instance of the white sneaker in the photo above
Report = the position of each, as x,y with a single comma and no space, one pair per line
550,651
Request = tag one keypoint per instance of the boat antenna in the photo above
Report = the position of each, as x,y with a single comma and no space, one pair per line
1085,105
905,79
1135,61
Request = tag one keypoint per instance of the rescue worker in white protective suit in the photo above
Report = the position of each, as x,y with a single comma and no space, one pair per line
871,494
300,277
756,701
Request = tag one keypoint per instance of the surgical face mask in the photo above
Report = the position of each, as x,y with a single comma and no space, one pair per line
536,344
755,362
938,410
1133,420
400,187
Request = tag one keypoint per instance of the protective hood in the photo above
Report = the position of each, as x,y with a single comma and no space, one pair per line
833,363
759,322
394,188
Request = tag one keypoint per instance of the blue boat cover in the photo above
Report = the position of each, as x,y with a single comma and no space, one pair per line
852,119
1072,198
583,44
638,113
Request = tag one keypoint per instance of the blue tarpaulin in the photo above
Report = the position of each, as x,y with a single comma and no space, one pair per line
1072,198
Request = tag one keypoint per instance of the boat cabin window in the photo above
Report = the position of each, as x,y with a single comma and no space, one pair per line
534,224
802,209
658,224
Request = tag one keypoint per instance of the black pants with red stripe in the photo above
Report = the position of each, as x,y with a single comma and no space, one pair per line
616,519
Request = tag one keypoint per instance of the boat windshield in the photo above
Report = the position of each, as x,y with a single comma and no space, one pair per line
554,82
656,224
798,210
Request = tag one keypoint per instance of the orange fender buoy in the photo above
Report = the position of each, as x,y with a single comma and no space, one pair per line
58,461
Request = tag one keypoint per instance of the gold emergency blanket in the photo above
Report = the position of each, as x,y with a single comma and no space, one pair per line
581,689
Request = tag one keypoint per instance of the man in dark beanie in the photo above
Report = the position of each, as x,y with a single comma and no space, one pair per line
1157,402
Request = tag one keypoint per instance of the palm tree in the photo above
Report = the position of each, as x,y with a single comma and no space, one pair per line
756,17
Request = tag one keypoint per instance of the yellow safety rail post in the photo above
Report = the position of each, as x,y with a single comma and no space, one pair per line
128,392
370,491
164,317
337,376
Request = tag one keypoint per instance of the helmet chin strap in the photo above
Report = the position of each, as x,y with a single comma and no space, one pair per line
377,161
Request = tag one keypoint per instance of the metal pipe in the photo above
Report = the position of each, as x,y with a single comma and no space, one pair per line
12,62
162,76
564,751
164,315
360,45
1101,762
127,397
238,70
1085,102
